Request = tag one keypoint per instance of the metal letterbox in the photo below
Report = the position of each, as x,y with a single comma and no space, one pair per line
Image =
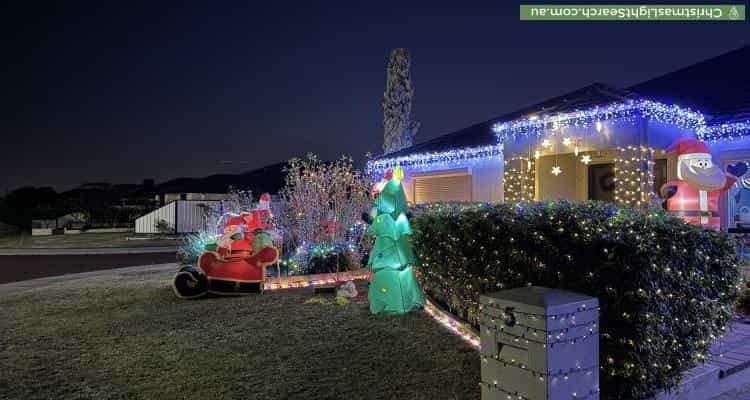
539,344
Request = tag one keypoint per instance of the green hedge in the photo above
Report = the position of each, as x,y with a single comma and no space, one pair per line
665,287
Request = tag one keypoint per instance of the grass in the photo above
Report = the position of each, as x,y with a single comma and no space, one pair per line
128,336
85,240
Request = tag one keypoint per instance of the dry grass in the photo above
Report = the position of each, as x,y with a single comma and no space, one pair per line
127,336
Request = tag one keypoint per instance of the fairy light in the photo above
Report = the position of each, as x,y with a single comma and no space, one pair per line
462,330
727,131
652,110
433,159
518,179
634,175
305,281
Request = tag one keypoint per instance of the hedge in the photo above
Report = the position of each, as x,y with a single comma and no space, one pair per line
665,287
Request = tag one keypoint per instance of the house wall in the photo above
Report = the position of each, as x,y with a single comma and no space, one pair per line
560,187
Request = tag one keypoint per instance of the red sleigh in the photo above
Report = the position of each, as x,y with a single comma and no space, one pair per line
236,265
240,271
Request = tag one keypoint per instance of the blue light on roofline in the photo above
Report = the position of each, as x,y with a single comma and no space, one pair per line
668,114
729,132
432,159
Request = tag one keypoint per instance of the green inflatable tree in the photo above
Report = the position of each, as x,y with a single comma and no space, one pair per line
394,287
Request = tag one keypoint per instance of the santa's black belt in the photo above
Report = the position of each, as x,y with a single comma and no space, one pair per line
695,213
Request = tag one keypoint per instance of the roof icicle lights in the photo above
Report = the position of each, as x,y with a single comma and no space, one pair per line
728,131
431,159
652,110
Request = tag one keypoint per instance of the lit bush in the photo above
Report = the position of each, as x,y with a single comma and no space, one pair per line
666,288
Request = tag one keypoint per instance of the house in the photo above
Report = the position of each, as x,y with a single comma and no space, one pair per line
598,142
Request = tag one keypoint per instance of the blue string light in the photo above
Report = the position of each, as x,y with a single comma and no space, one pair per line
539,124
652,110
431,159
729,131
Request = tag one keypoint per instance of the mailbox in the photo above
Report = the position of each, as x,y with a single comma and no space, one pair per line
539,344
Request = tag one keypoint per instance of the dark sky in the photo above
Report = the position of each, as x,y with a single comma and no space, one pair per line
120,91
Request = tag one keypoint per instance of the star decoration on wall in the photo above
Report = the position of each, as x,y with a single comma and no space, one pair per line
567,141
556,170
586,159
546,143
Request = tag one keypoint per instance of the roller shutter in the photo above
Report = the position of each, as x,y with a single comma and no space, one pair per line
442,188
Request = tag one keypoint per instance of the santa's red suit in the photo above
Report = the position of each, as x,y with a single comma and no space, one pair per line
695,196
696,206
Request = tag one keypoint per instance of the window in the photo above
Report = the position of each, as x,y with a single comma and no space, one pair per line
738,198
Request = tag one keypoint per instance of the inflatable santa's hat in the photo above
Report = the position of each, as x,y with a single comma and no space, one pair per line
688,149
264,203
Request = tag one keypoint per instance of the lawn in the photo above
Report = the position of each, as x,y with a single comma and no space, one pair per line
85,240
128,336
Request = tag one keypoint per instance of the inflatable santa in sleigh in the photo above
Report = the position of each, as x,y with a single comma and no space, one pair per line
236,263
694,196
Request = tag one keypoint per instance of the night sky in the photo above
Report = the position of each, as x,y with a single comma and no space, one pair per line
122,91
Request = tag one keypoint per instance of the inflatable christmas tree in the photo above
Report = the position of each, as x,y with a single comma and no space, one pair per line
394,287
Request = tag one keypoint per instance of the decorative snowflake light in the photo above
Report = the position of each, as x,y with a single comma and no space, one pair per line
556,170
586,159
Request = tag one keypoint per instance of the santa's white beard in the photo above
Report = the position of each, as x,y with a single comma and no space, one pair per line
707,179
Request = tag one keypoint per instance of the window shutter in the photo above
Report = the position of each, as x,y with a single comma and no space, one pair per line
442,188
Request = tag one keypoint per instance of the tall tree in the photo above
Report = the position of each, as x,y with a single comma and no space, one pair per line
399,129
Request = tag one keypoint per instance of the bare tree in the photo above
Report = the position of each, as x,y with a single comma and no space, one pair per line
321,204
399,129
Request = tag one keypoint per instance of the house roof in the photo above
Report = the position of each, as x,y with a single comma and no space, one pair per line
481,134
717,87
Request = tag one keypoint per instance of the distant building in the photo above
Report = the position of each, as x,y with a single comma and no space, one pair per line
179,216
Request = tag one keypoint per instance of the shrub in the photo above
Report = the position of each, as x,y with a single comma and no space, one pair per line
665,287
163,227
327,263
193,245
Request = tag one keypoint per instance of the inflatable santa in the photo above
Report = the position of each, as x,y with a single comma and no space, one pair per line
695,195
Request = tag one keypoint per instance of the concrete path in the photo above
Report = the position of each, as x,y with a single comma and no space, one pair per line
725,372
741,393
15,287
96,250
